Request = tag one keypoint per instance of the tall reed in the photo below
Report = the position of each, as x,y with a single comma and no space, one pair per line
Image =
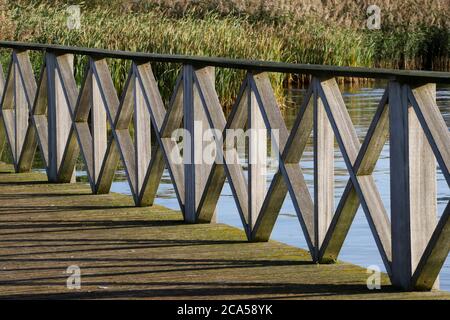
236,33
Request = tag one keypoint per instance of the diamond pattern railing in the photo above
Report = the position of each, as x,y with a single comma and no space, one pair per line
53,114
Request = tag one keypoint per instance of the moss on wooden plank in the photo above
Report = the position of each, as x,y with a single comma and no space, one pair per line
129,252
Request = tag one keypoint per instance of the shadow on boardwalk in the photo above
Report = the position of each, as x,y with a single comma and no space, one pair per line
128,252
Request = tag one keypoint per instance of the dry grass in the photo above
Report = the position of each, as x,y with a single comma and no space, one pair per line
414,35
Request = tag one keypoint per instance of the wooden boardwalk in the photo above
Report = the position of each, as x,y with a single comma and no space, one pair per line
68,120
129,252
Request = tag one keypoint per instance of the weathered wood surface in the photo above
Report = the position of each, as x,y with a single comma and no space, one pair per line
412,251
263,66
133,252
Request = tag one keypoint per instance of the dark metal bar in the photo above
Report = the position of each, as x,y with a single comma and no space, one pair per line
410,76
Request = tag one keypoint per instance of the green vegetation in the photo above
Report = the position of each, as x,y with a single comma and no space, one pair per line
414,34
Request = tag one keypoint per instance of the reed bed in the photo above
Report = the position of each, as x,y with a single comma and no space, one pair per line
239,30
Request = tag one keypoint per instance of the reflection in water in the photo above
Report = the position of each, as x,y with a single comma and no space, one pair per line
359,247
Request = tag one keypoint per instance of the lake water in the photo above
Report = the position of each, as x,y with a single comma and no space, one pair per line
359,247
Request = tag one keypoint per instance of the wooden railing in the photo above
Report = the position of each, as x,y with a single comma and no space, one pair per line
52,113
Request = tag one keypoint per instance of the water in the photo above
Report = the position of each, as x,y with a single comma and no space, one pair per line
359,247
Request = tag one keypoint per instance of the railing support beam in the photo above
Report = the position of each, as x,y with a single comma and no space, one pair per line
59,122
413,187
323,171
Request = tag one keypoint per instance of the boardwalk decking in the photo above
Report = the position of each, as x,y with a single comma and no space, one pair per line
91,121
129,252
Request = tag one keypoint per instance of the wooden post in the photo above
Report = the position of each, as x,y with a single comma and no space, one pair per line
142,135
189,146
21,110
413,187
361,188
2,124
59,120
27,94
163,121
202,169
423,99
257,159
196,171
323,171
98,129
289,177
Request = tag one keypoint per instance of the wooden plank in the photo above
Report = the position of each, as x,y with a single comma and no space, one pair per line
106,85
21,110
256,65
7,108
434,255
338,115
289,176
66,173
39,116
98,129
61,165
376,138
156,109
365,186
63,119
110,109
213,175
69,94
153,177
216,119
28,151
111,242
174,118
433,244
340,225
413,187
125,142
323,171
201,126
376,216
233,169
423,190
294,178
400,183
170,148
3,137
120,120
124,114
108,169
269,109
30,143
272,204
83,106
423,99
66,73
142,136
8,89
190,212
368,155
257,158
85,141
120,128
149,85
81,126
